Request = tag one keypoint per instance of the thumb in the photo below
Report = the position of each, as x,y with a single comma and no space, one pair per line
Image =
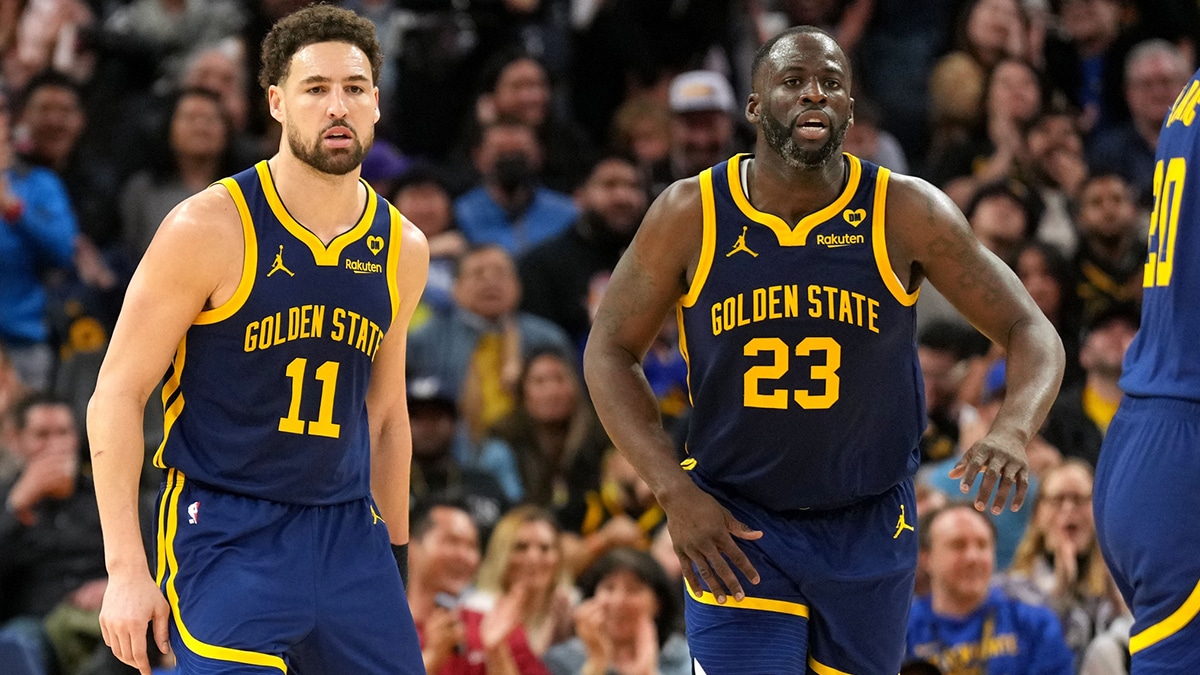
162,614
739,529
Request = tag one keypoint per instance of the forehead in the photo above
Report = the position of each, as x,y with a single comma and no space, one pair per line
329,60
521,69
488,257
806,51
959,523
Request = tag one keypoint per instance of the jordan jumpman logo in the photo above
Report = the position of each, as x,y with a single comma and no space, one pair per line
741,245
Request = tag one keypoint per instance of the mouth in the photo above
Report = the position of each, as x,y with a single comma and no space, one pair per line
812,125
338,137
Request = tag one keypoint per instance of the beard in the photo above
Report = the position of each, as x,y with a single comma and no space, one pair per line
335,162
779,137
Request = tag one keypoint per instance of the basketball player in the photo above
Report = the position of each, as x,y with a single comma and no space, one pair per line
276,302
1149,467
794,272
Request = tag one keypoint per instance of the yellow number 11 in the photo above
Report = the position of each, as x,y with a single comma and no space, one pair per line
323,425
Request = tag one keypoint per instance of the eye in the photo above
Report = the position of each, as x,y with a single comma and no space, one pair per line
833,84
355,89
792,81
316,90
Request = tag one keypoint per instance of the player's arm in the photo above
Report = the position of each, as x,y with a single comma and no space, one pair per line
387,403
196,255
938,241
649,279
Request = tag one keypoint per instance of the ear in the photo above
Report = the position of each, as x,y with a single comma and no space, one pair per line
851,118
377,113
752,104
275,103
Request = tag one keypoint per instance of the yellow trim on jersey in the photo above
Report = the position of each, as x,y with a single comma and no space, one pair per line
708,240
196,646
171,412
786,234
327,256
1168,626
249,260
760,604
879,243
393,259
683,351
822,669
161,549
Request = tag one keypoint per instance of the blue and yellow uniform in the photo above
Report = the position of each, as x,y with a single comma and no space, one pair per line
809,406
270,550
1149,464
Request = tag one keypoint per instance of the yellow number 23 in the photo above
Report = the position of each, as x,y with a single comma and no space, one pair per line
778,398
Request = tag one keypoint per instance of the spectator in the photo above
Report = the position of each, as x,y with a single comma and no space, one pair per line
53,564
702,127
439,453
965,625
1085,58
565,276
510,207
194,152
1058,563
867,139
383,165
1080,415
940,349
626,623
457,640
1155,73
1054,169
38,232
421,194
221,69
553,437
1046,274
526,548
50,34
12,390
1112,248
478,349
641,127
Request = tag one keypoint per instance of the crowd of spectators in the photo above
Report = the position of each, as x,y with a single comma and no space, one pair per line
527,138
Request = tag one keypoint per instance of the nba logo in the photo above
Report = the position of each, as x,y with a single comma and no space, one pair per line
193,513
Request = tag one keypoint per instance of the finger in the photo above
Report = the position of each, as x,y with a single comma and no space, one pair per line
121,647
959,467
990,476
738,557
1002,490
1022,487
725,573
710,579
161,623
137,646
689,573
739,529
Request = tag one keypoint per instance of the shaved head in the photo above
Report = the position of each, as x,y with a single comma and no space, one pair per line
762,56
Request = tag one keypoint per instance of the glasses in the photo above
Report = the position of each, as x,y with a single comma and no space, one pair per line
1060,500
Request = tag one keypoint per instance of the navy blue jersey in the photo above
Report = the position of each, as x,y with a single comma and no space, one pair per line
801,348
266,395
1162,361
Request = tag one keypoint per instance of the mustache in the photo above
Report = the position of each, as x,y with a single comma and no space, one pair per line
340,123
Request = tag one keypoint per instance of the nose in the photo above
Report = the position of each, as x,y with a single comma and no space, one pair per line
812,92
337,107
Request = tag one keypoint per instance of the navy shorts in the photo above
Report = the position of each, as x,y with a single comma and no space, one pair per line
258,587
1147,499
833,597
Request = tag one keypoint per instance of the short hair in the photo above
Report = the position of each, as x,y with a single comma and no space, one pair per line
47,78
643,566
761,55
20,409
494,67
311,25
421,517
925,522
1147,48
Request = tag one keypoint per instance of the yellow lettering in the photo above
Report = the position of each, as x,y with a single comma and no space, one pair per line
353,330
741,305
318,320
830,291
278,338
268,325
251,337
363,332
728,313
845,311
306,321
716,319
293,330
339,330
773,310
760,304
872,314
858,303
814,302
791,301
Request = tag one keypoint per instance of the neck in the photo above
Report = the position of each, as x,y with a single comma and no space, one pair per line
955,606
774,186
197,172
551,436
514,203
1148,130
1112,249
325,204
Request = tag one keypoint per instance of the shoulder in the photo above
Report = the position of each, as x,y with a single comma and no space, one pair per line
555,199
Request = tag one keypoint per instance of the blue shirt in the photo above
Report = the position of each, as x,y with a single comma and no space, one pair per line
483,221
1002,637
44,236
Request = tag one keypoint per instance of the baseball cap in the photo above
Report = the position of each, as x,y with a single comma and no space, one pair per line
700,90
431,390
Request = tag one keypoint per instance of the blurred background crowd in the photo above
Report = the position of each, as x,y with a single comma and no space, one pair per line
527,138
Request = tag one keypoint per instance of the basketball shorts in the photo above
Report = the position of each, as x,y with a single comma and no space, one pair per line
1146,500
259,587
833,597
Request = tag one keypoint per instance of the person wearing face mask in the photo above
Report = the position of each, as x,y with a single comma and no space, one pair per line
510,207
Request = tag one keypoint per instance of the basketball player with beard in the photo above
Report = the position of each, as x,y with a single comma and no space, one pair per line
794,274
276,302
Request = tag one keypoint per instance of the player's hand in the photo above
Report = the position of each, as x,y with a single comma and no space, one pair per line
700,529
132,601
1002,460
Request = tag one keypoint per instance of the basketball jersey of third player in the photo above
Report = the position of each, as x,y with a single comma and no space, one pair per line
266,395
1163,361
801,350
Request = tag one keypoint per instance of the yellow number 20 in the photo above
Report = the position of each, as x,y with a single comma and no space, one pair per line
1164,222
778,398
323,425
